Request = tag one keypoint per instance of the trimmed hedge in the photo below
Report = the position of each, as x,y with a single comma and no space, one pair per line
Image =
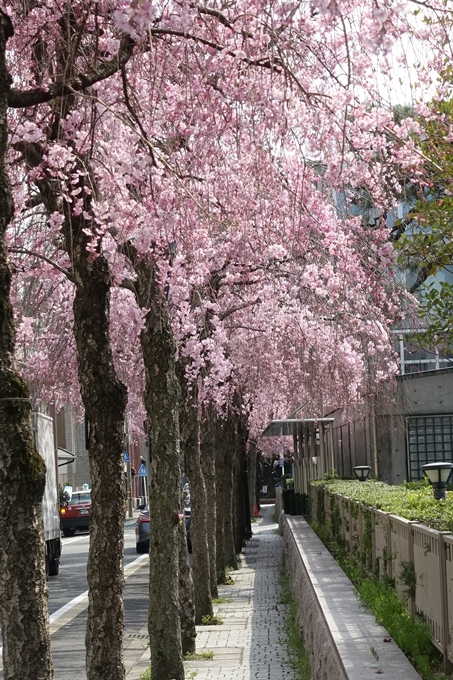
411,501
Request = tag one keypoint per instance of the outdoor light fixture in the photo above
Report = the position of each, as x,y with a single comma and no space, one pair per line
438,474
362,472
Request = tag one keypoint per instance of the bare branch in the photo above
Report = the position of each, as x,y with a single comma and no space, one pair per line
32,253
237,308
19,99
422,275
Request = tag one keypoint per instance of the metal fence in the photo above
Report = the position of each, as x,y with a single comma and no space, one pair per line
416,559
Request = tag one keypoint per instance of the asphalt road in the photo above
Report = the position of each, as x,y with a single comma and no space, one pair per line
68,602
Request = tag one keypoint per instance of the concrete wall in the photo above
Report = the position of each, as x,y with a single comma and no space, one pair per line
421,394
426,393
342,638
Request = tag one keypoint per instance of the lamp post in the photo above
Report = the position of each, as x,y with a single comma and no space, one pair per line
362,472
438,474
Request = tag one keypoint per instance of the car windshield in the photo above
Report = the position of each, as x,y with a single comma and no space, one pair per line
81,498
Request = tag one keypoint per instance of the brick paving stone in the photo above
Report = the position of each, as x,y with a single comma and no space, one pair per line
250,644
253,623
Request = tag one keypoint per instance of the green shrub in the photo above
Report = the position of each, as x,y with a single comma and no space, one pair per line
404,500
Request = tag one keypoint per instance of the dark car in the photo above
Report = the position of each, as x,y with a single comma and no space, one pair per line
142,531
142,528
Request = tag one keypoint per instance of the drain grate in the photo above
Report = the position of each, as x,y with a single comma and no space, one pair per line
136,636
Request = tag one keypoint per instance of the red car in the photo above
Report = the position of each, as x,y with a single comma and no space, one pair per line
76,512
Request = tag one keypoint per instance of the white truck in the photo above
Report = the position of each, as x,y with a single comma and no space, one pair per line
45,444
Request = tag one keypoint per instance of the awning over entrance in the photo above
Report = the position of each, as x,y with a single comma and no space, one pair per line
280,428
312,441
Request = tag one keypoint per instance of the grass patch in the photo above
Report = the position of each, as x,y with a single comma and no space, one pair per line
297,656
194,656
228,580
209,620
221,600
146,675
412,637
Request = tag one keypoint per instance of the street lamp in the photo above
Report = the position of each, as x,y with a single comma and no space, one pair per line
438,474
362,472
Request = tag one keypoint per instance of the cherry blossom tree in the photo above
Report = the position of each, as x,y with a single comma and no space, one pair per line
190,155
59,174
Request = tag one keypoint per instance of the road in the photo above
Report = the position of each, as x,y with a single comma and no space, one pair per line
68,602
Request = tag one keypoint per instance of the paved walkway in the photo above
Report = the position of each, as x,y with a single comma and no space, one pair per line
251,642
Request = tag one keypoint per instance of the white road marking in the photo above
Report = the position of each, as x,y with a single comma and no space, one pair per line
70,610
73,540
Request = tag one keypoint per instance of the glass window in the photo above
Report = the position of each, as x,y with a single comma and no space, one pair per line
425,446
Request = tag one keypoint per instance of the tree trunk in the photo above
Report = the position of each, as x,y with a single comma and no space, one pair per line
240,495
207,448
162,402
198,504
23,585
229,455
104,398
251,467
220,503
186,606
226,555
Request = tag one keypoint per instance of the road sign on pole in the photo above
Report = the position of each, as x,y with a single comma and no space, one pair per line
142,471
126,457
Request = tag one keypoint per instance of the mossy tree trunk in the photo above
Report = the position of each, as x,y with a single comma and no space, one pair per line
23,585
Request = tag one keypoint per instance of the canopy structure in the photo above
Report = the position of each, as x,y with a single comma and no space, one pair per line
280,428
313,447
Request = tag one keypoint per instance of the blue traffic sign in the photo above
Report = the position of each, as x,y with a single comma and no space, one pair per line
126,457
142,471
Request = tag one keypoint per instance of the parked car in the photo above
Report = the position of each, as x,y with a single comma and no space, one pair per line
142,528
76,512
142,531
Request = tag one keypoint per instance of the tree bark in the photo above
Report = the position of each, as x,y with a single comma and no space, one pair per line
207,448
225,551
251,467
105,399
198,503
23,585
186,606
162,402
239,491
220,504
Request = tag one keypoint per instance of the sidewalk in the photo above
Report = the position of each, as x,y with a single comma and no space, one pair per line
251,642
